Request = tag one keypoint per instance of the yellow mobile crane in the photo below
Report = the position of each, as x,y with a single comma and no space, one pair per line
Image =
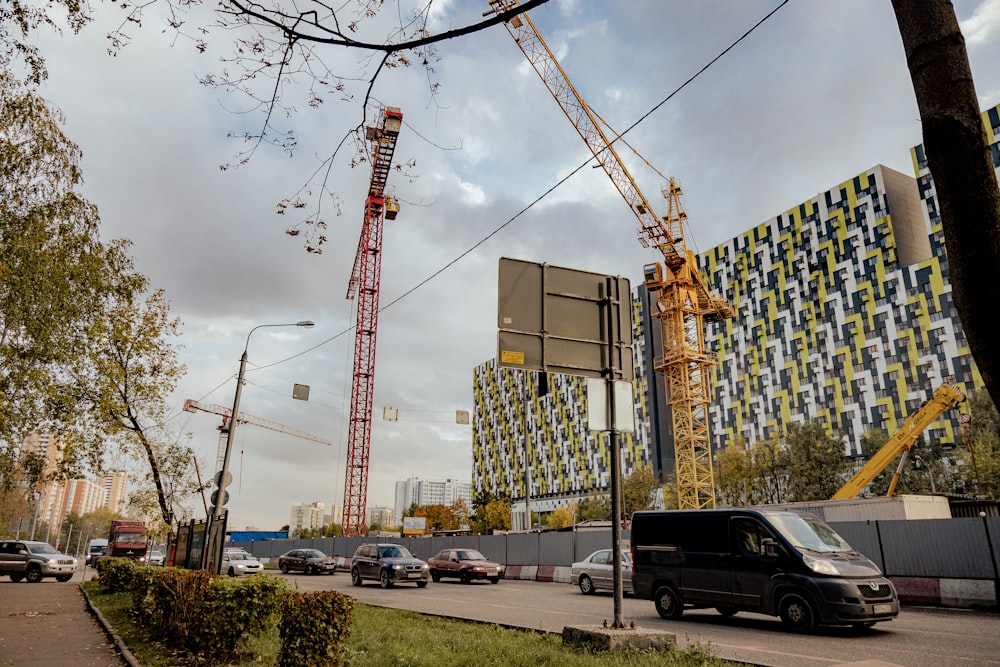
945,398
684,304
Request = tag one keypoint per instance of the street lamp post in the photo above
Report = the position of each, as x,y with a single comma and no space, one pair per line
219,501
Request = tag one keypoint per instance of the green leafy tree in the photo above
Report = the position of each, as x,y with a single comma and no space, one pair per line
816,464
48,237
595,507
639,491
982,445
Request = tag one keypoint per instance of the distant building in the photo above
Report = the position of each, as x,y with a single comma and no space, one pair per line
384,517
306,516
115,484
415,491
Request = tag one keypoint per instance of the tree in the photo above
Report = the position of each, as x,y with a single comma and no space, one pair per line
959,158
124,386
595,507
982,469
20,20
639,491
755,475
563,516
48,237
816,464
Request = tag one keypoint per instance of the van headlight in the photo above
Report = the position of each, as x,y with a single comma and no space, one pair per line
820,565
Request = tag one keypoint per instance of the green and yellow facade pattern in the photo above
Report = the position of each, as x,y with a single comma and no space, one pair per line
843,313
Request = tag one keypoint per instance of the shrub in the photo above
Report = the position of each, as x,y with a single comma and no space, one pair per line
236,609
116,574
314,628
172,606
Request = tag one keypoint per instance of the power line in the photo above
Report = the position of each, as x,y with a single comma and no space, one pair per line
550,190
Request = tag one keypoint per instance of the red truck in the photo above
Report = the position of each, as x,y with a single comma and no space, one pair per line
127,539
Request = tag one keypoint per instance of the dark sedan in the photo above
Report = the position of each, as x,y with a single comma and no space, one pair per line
310,561
464,564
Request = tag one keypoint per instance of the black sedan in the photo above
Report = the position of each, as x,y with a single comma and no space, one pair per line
309,561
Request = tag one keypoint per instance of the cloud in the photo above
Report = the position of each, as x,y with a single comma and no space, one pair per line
984,23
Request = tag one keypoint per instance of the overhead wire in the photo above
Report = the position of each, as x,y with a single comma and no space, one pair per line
618,137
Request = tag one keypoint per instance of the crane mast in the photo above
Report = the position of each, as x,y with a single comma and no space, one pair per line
364,286
683,301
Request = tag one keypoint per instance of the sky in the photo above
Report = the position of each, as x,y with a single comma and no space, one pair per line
815,95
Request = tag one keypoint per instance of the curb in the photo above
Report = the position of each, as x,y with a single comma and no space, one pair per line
123,651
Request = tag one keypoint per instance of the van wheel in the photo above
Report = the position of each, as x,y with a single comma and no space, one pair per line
796,613
668,603
34,574
586,585
727,611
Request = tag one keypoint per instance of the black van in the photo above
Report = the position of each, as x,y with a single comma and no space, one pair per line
768,561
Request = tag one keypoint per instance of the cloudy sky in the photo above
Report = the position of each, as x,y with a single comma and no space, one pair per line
816,94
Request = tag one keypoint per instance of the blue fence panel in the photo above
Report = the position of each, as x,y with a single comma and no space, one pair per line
864,537
953,548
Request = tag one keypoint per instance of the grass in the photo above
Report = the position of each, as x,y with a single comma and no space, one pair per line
382,637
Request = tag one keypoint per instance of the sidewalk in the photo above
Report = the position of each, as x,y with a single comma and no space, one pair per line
49,623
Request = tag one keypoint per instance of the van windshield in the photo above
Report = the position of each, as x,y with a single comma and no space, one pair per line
805,531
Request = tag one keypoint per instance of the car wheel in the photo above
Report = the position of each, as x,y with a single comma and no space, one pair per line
796,613
283,567
232,572
495,580
668,603
727,611
311,570
422,584
586,585
34,574
16,577
384,580
435,576
466,578
63,577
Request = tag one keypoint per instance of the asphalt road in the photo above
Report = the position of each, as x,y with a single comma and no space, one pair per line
919,637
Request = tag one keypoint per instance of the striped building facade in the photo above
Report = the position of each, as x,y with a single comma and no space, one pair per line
844,313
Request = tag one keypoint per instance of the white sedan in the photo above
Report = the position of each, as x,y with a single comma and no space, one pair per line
238,562
595,572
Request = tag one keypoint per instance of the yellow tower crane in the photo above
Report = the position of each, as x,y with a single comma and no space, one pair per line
684,304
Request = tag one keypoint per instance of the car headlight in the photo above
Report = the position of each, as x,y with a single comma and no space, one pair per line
479,568
820,565
52,561
397,566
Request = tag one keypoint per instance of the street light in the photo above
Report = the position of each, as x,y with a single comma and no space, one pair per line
220,495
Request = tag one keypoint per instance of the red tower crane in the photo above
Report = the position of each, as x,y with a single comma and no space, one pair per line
364,284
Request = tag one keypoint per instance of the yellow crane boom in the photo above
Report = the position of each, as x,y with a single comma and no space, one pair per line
683,301
946,397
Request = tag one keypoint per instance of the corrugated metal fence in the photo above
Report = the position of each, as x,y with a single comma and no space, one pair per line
937,548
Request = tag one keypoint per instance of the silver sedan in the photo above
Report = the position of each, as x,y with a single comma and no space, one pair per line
595,572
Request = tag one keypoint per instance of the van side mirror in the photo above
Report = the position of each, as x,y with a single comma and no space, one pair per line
769,547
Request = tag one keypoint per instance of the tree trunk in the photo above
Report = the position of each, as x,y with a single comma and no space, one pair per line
958,155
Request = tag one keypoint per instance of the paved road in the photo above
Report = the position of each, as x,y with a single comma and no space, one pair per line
48,624
919,637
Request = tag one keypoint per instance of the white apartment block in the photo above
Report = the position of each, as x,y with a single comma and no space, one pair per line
306,516
416,491
382,517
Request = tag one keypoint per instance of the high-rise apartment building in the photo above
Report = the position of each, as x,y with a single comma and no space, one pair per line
115,483
416,491
843,314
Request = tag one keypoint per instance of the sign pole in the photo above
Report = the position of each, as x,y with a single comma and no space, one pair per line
616,465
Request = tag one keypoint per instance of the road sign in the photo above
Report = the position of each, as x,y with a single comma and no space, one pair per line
215,498
222,482
556,320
